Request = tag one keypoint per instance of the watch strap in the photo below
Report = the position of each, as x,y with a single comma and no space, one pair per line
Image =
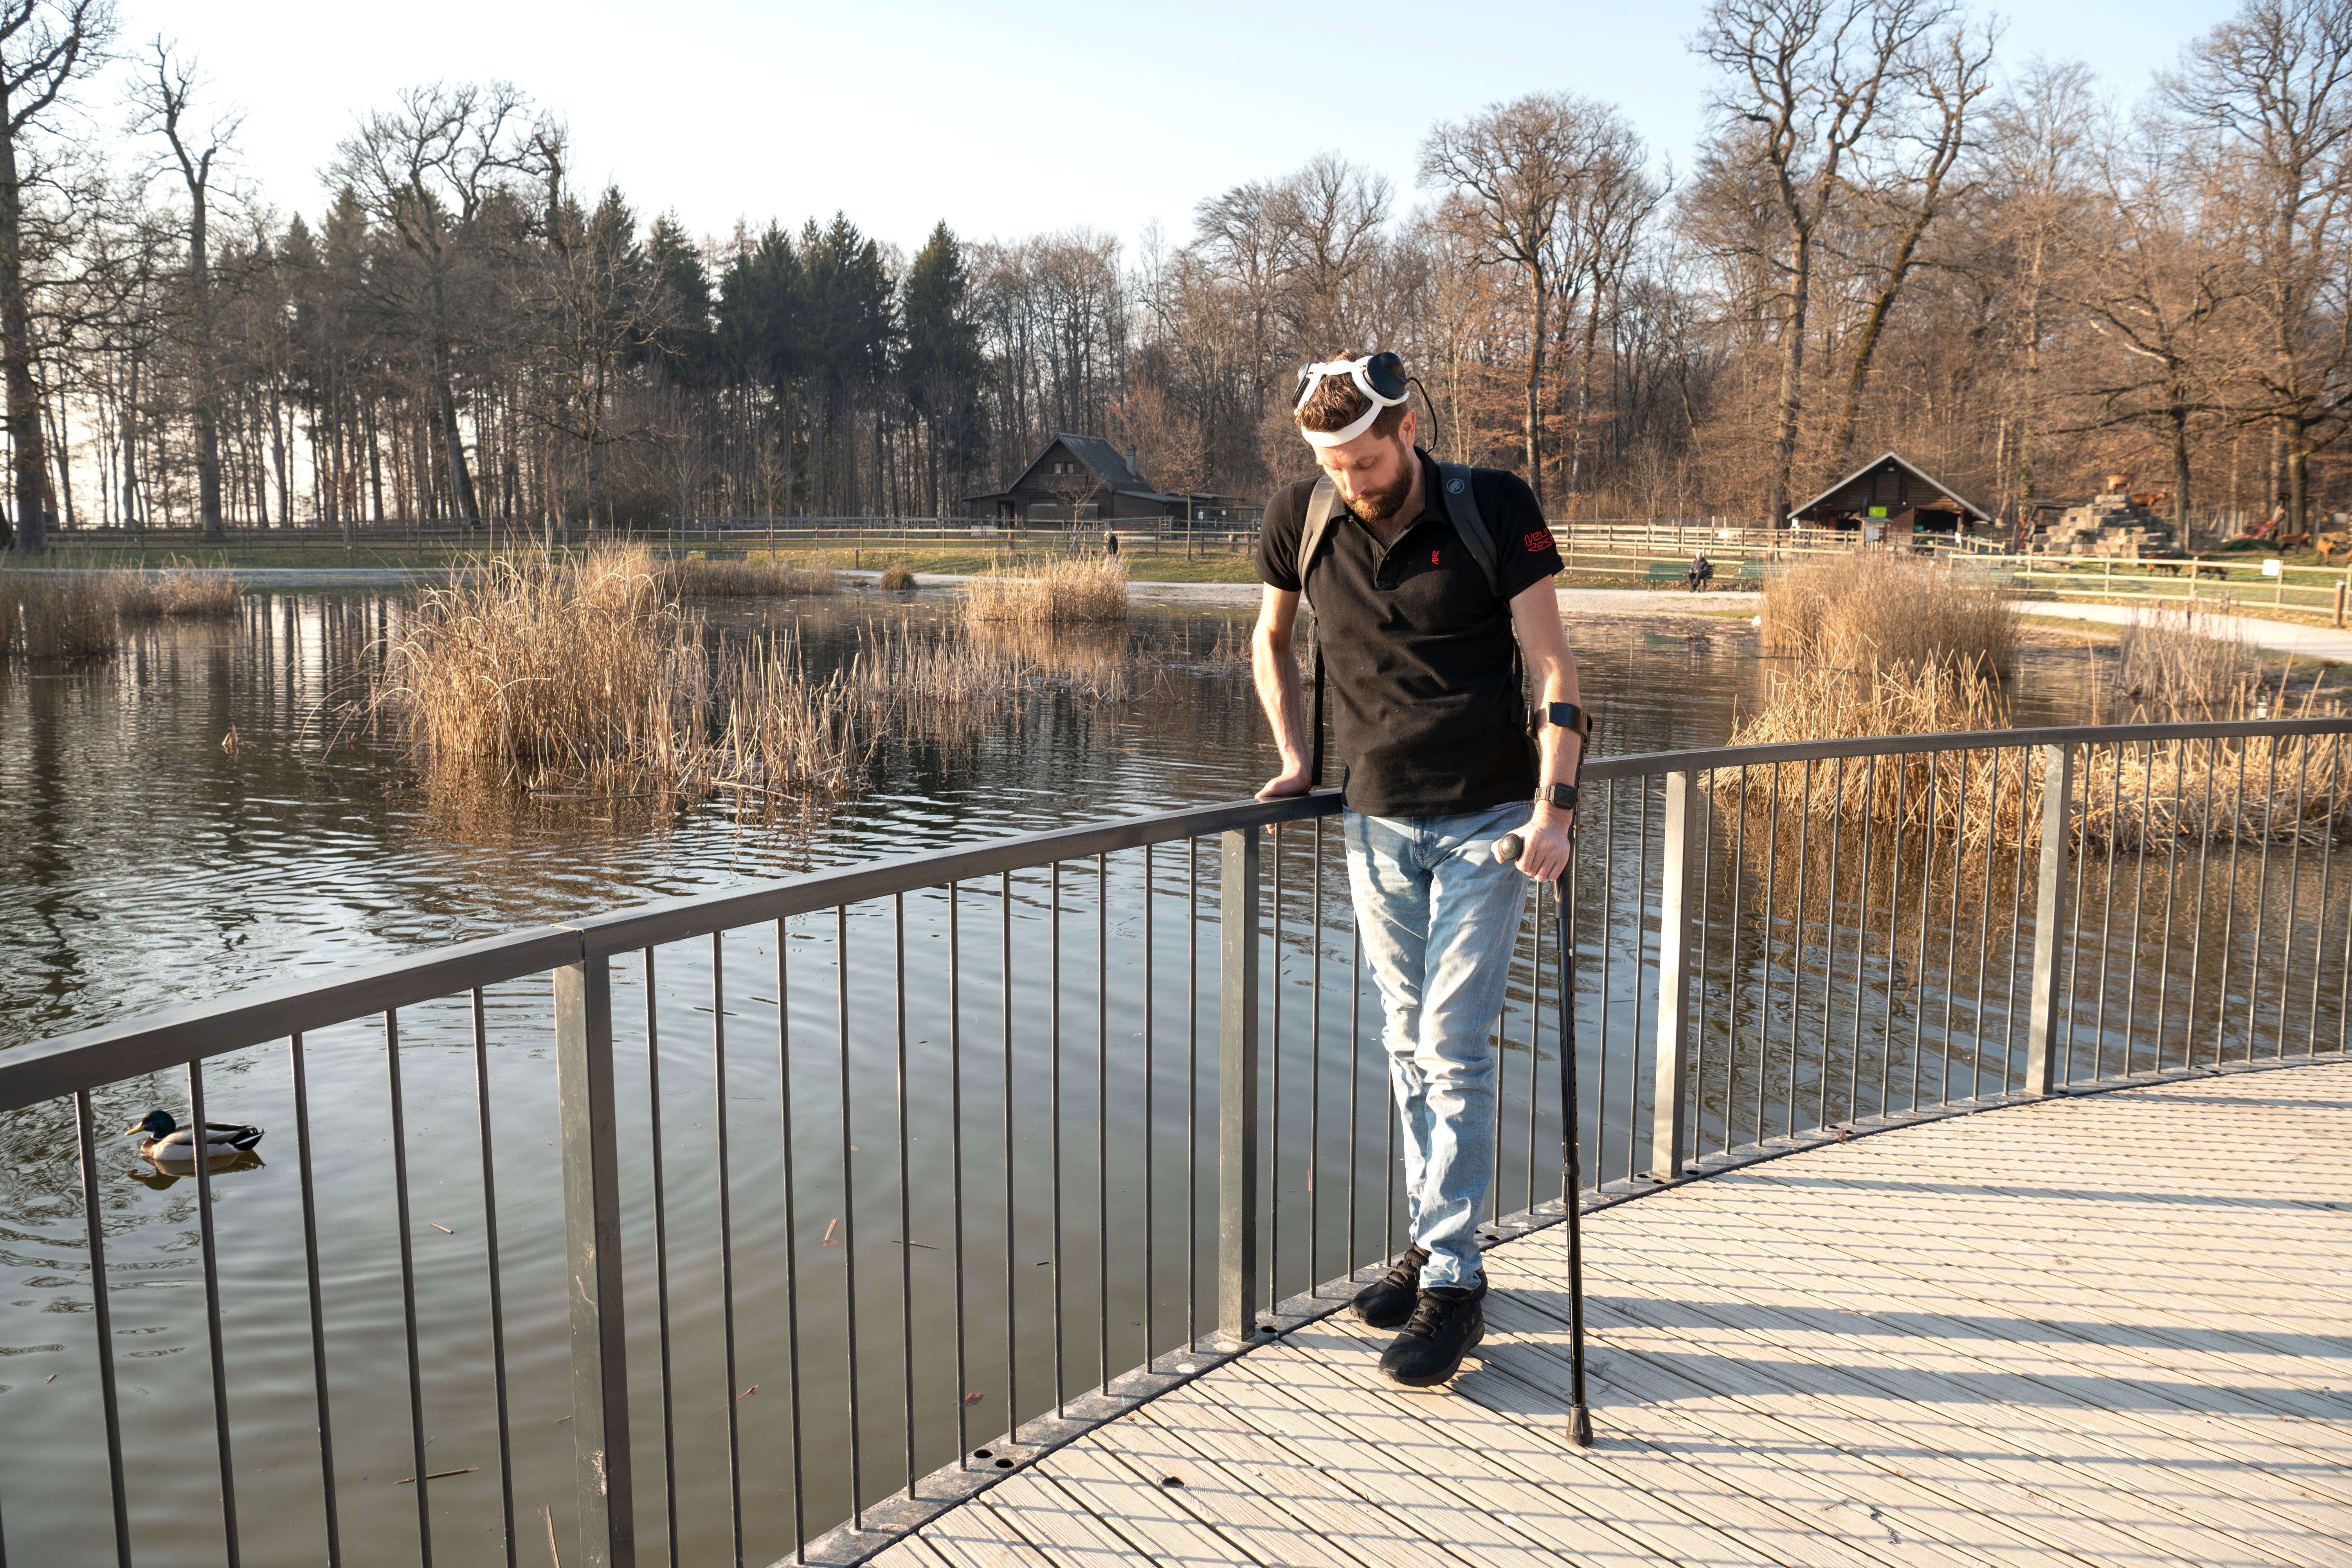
1562,795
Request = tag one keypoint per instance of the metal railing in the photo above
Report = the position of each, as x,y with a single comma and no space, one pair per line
842,1172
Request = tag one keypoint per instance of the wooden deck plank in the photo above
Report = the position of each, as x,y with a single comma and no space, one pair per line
2101,1331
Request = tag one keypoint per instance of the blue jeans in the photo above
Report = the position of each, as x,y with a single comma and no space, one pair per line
1440,917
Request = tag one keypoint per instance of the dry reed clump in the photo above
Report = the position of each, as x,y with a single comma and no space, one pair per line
755,577
178,593
2278,789
897,578
548,670
584,675
65,615
1886,611
2186,664
1086,590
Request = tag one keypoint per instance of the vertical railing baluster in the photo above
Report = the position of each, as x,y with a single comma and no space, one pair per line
2262,899
1952,930
2326,885
1894,933
1797,937
1830,941
2049,913
1102,1121
2016,918
1356,1065
498,1290
1608,894
1678,892
2139,913
2180,754
2107,912
2229,909
2293,885
1861,941
316,1295
906,1202
1634,1084
101,1307
955,1157
407,1282
1926,919
1733,966
1053,1114
1012,1214
848,1218
1272,1155
1764,932
2196,921
1984,931
1192,1092
1315,1061
725,1238
601,1478
1237,1087
661,1256
2072,988
792,1238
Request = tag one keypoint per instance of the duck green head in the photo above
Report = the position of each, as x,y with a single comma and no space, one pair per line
155,1124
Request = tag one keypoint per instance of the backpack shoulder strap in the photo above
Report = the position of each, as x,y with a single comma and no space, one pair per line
1322,506
1460,498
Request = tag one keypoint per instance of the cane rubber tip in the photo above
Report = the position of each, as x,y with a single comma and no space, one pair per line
1508,847
1579,1426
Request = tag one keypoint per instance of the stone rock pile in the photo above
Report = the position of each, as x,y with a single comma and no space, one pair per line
2110,523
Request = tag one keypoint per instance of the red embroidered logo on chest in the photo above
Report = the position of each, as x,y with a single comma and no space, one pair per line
1433,558
1538,541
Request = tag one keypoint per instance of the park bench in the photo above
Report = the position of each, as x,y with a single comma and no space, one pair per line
1758,571
1666,571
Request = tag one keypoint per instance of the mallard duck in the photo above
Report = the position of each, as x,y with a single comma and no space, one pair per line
166,1139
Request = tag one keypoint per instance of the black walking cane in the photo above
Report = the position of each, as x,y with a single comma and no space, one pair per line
1571,1169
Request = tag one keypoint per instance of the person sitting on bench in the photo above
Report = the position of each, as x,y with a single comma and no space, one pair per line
1701,572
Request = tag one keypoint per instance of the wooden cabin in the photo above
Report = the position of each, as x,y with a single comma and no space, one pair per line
1085,479
1892,493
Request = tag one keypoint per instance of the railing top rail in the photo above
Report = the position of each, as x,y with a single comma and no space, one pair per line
1714,759
154,1042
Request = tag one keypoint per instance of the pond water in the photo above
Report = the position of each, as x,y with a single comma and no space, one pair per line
145,862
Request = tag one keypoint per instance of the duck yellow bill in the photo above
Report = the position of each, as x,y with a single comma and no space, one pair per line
140,1127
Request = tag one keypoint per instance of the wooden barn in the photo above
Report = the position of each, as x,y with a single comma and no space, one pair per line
1085,479
1892,492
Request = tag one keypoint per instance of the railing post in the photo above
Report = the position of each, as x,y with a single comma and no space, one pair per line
1237,964
2049,914
591,1255
1678,904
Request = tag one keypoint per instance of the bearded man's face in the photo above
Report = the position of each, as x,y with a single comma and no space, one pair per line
1374,473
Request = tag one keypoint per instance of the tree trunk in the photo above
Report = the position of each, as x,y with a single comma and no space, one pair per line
208,470
1881,305
461,480
1534,383
1793,379
2178,416
25,440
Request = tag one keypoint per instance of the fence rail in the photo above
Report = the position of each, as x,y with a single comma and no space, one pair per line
839,1172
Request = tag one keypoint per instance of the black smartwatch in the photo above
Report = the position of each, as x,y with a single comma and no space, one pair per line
1562,795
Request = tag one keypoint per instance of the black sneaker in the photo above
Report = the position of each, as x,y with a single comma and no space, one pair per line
1388,1300
1446,1324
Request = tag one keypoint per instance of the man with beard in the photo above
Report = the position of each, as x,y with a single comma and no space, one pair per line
1431,585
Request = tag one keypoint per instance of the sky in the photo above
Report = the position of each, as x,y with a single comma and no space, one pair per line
1003,121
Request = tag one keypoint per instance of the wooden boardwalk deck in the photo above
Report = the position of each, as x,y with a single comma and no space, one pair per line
2109,1330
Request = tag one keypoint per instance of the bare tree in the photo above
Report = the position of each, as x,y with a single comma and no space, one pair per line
2276,81
1952,72
161,104
1516,166
45,47
427,174
1807,80
2036,175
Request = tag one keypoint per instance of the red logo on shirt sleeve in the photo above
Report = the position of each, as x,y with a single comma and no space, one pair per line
1433,558
1539,542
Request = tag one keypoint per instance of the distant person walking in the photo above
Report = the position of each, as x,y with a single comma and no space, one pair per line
1431,582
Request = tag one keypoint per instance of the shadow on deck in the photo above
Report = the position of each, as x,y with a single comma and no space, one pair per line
2107,1329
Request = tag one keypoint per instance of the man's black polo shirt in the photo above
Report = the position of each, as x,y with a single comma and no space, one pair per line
1417,648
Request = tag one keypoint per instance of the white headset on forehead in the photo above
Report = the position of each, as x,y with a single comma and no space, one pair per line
1372,374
